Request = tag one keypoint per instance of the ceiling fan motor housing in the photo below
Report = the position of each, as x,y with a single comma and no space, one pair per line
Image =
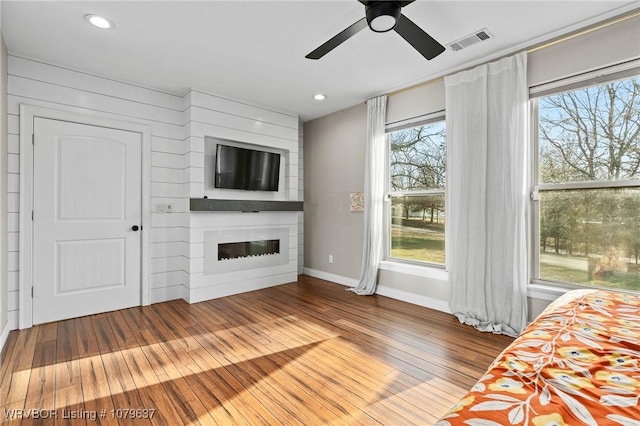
382,16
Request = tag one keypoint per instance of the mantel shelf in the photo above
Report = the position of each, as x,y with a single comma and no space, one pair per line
218,205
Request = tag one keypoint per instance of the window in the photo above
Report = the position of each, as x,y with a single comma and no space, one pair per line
587,194
416,192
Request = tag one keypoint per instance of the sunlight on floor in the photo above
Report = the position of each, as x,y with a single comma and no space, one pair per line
157,363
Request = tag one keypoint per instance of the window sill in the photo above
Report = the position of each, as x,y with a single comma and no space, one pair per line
545,291
411,269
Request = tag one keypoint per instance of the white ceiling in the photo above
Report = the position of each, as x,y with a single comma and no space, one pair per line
254,50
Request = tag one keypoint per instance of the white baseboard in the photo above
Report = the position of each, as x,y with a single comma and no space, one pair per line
414,299
404,296
4,335
11,324
164,294
338,279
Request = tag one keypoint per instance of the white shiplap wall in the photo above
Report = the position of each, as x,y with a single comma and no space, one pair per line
178,125
36,83
210,115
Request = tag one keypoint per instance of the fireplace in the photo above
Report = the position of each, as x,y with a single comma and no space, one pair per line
242,249
228,251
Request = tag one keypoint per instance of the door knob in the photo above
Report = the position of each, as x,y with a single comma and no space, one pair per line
135,227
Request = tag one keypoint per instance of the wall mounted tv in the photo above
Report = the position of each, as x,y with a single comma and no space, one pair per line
248,169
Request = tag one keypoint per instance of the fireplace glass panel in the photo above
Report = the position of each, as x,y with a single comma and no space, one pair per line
238,250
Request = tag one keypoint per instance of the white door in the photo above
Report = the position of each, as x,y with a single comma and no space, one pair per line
87,205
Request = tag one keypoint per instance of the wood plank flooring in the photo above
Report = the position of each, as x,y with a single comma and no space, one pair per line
306,353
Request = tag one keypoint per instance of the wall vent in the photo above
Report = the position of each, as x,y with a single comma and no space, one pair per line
467,41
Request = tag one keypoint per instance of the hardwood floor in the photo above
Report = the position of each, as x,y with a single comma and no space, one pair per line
306,353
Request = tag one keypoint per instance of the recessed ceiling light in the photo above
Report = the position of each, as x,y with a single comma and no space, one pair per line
320,97
99,21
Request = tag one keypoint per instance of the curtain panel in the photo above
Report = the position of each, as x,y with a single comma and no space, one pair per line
374,172
487,196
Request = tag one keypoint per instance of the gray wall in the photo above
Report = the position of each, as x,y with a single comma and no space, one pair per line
334,167
334,147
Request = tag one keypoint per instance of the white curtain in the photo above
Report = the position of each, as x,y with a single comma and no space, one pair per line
374,170
487,213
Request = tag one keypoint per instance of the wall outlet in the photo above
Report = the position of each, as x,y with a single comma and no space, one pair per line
330,258
163,208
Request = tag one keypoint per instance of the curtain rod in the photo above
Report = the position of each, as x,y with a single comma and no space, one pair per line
544,45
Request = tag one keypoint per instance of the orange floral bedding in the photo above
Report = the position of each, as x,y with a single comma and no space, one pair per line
578,363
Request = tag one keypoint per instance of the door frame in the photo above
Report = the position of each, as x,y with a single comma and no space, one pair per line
27,115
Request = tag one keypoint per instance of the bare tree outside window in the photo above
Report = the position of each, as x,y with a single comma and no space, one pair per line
589,139
417,180
418,158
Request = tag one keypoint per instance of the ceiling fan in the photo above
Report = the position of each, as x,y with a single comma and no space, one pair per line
383,16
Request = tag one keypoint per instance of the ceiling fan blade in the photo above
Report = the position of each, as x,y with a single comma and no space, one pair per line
338,39
426,45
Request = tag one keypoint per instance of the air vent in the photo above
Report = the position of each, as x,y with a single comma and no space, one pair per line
467,41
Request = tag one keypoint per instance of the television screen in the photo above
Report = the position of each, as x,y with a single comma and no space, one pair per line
248,169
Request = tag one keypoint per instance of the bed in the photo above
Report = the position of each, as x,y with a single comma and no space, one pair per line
578,363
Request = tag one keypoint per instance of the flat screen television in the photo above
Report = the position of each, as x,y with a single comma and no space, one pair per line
248,169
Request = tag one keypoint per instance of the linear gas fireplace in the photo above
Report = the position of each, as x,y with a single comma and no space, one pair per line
228,251
242,249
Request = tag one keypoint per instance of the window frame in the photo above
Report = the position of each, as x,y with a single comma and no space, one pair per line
387,261
594,78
